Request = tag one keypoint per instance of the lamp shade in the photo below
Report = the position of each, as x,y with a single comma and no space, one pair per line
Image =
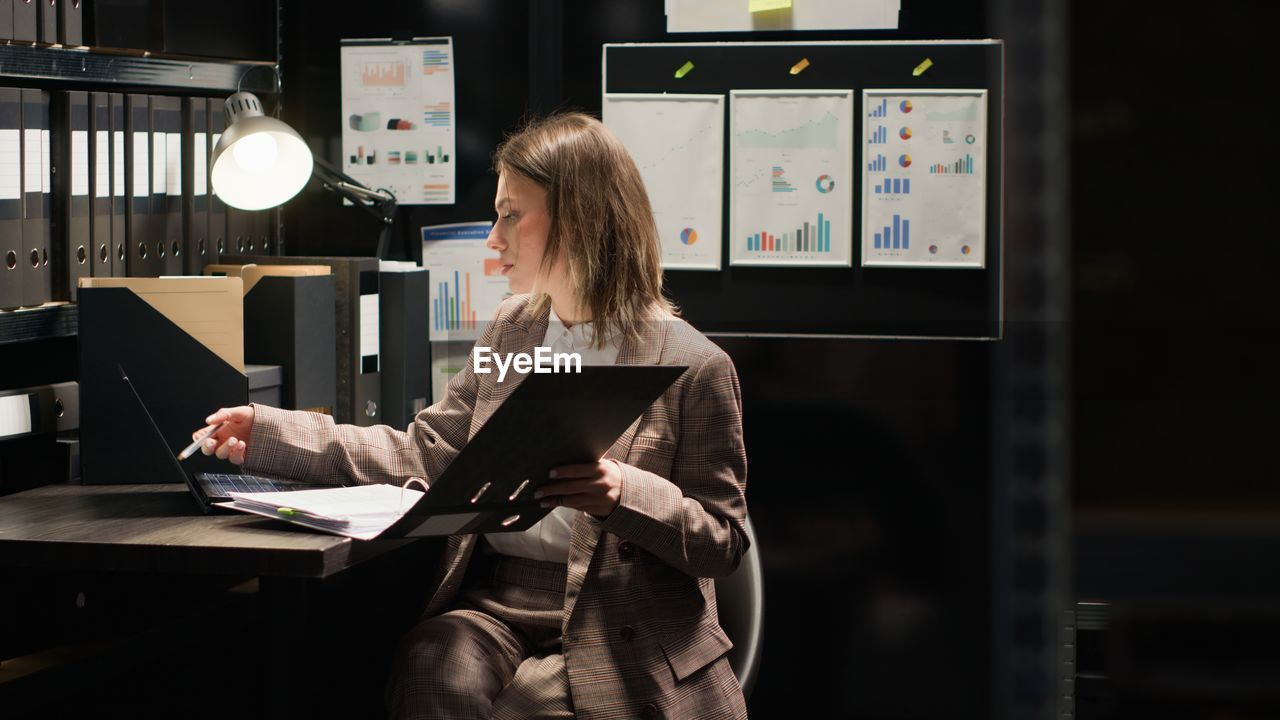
259,162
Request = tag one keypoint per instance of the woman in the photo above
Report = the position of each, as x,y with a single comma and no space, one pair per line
606,608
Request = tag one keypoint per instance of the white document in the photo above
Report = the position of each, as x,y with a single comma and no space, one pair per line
467,283
362,511
10,165
80,162
924,188
398,117
677,142
736,16
791,178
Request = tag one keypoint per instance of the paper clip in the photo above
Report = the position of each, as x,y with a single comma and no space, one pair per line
406,484
800,66
922,67
684,69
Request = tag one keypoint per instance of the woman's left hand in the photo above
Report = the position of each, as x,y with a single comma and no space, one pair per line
594,488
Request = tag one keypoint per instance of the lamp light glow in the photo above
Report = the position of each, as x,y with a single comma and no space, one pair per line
259,162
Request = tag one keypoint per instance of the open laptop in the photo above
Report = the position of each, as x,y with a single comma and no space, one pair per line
208,488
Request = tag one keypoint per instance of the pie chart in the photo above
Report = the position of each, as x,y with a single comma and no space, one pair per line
905,133
906,106
688,236
905,161
825,184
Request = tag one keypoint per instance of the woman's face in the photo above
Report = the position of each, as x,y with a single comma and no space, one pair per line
520,234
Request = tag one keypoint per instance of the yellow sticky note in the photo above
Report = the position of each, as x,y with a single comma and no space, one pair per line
800,66
763,5
922,67
684,69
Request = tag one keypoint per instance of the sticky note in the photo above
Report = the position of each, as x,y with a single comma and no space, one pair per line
922,67
763,5
684,69
800,66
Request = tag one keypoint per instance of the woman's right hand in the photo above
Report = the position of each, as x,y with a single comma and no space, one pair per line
231,441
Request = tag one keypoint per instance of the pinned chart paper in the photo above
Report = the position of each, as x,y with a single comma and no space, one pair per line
677,142
791,178
398,117
924,187
467,283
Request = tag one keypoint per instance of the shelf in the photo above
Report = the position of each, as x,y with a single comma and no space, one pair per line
41,323
130,69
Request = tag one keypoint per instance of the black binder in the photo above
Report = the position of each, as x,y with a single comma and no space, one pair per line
217,208
119,187
195,184
6,19
25,21
72,189
289,321
37,285
10,197
71,22
168,147
48,20
137,149
405,299
100,184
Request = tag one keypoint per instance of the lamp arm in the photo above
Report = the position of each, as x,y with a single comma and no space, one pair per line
380,204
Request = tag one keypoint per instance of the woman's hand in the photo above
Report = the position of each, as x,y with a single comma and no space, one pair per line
232,440
594,489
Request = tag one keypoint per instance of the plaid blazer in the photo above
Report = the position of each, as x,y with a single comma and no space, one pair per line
640,631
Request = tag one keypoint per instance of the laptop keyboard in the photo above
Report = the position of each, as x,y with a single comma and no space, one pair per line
220,484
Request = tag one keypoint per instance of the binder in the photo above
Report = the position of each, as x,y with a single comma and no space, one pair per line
100,185
239,237
71,22
75,243
217,208
119,187
24,21
6,19
48,21
405,296
10,197
137,170
168,145
37,283
195,185
359,386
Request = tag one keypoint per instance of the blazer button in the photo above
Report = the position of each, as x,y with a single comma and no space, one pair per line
626,550
649,712
626,633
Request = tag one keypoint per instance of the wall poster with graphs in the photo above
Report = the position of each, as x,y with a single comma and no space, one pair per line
467,284
398,117
791,177
924,182
677,142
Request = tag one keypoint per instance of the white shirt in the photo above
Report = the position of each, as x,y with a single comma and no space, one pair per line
548,540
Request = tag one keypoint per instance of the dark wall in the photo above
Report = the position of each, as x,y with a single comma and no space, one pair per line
868,461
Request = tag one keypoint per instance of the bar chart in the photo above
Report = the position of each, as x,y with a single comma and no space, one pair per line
894,186
880,164
382,74
963,166
437,115
438,157
779,182
451,309
812,237
880,136
434,61
896,236
881,110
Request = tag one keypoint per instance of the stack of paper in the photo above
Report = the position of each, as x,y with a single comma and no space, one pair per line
362,511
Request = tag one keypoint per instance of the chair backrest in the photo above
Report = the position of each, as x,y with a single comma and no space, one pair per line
740,600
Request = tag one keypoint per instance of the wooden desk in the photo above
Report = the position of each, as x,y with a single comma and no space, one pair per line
156,529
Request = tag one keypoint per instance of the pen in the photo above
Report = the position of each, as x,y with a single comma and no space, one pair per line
195,445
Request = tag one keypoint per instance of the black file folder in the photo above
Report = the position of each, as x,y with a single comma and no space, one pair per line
6,19
71,22
119,187
167,177
71,159
37,285
25,15
195,183
405,299
359,391
137,149
48,21
289,321
100,184
217,208
10,197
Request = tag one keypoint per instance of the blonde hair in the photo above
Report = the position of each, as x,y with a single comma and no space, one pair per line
600,218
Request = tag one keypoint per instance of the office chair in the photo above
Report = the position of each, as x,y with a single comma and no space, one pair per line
740,601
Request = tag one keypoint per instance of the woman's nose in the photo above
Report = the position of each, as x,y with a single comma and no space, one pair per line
494,241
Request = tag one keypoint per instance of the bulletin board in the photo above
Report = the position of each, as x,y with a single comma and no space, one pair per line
853,296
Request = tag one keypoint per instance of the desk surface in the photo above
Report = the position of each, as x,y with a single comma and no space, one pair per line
156,528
